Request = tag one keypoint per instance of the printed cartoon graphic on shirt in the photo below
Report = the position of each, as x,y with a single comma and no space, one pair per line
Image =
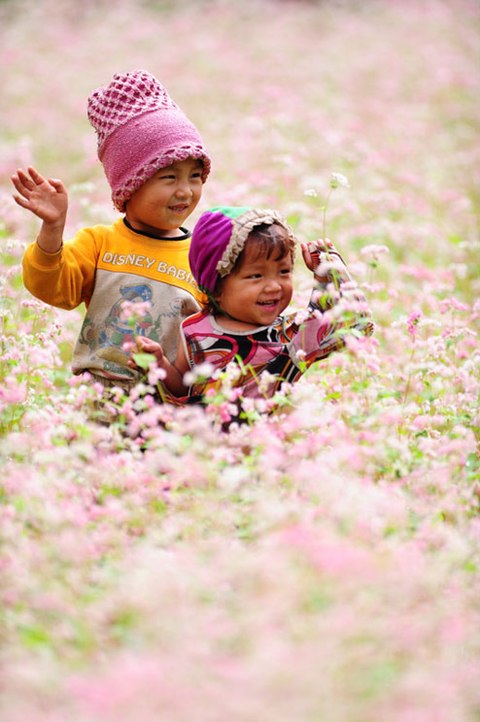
105,328
118,328
108,339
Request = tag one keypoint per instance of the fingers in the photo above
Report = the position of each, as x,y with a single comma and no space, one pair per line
315,252
143,343
306,254
139,344
35,176
47,199
322,244
57,184
19,200
324,260
27,182
311,255
21,182
147,345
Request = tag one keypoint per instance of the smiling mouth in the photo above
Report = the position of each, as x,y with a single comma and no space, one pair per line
181,208
268,303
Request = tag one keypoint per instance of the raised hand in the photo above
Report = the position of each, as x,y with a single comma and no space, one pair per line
325,261
312,252
46,198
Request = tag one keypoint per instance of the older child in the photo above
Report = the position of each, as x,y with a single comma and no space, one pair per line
156,164
242,258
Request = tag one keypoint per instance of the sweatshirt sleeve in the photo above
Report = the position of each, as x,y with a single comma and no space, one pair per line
64,279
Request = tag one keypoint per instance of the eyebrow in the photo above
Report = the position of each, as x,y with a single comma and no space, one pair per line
197,164
259,263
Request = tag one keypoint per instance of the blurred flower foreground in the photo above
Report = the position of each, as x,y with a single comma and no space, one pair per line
320,564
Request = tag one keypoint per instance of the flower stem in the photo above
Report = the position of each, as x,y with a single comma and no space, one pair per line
324,215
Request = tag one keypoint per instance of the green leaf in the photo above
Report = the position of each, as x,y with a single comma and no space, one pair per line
143,360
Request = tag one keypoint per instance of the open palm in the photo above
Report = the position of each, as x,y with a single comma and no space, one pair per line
47,199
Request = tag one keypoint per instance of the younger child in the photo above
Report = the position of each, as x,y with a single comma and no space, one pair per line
156,164
242,258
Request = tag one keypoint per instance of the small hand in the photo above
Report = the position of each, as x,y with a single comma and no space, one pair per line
47,199
324,260
146,345
312,252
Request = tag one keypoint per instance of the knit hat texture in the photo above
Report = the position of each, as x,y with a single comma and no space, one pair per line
219,237
140,129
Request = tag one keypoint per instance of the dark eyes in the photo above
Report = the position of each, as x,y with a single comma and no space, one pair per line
283,272
171,176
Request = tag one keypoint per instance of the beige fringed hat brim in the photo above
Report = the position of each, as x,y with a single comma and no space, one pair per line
242,227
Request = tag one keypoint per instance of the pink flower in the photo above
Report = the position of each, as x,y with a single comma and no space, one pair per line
412,323
452,303
134,309
156,374
14,391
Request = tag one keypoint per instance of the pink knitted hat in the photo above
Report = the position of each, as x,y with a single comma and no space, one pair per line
140,130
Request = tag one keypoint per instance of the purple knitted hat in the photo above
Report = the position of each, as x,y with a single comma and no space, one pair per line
219,237
140,130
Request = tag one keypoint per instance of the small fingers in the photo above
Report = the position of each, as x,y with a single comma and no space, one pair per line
22,182
321,244
141,342
26,183
57,184
28,180
307,254
19,200
305,250
316,253
35,176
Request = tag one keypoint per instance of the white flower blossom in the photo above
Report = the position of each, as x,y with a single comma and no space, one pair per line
338,179
202,371
374,250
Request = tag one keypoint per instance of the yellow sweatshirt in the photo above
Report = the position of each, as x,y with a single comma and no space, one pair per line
104,266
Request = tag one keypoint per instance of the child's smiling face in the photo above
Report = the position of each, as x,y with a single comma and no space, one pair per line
258,290
165,200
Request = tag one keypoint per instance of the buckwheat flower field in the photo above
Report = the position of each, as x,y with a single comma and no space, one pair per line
319,564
